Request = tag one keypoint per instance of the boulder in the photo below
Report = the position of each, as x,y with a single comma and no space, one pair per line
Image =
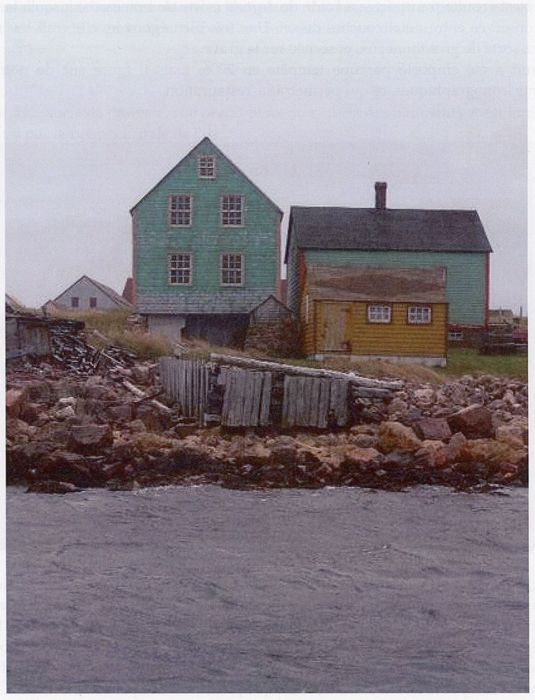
453,448
432,429
424,397
491,452
474,421
67,466
52,487
90,439
364,440
361,455
15,399
395,436
511,434
65,413
433,454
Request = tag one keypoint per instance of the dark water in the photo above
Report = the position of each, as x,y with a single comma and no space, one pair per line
210,590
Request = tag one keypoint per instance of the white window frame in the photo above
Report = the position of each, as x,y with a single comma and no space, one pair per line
225,267
176,267
177,209
419,315
455,335
206,163
230,209
379,313
307,308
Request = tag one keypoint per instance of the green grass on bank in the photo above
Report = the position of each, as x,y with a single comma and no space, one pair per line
112,325
468,361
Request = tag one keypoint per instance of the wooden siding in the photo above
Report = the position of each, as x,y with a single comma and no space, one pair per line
466,275
397,338
206,239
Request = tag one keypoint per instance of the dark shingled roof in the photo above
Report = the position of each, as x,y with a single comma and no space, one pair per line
344,228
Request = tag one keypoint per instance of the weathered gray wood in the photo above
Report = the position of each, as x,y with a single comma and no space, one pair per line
314,401
305,371
265,402
141,394
323,409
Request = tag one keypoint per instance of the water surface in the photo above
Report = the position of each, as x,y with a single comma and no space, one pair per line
202,589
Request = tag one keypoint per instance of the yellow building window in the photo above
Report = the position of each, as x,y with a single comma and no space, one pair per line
379,313
419,315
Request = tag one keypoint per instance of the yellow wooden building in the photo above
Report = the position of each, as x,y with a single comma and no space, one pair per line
394,314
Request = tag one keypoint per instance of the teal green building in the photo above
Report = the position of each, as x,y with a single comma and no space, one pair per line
396,238
206,248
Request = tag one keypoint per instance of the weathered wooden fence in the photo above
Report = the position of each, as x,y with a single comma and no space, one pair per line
318,403
247,398
186,382
247,395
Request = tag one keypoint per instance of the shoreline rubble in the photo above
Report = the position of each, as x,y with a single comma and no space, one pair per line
67,432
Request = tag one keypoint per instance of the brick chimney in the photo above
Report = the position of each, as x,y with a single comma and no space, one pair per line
380,195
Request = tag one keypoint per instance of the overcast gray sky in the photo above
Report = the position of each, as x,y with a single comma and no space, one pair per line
314,103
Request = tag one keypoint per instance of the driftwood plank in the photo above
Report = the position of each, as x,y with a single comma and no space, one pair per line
305,371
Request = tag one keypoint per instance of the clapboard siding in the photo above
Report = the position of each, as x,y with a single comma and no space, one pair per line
397,338
205,239
466,275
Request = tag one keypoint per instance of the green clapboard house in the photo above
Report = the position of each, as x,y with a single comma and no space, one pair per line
397,238
206,249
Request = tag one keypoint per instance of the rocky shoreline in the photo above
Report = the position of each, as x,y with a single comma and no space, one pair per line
66,433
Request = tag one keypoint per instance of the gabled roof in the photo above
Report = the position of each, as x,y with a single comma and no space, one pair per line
396,284
218,152
13,302
108,291
343,228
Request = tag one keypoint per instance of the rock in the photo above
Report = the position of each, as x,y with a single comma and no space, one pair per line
141,374
67,466
453,448
361,454
398,407
65,413
284,451
137,426
424,397
364,440
52,487
90,439
16,428
39,391
395,436
30,412
15,399
474,421
256,455
153,419
433,454
432,429
511,434
66,401
490,452
120,413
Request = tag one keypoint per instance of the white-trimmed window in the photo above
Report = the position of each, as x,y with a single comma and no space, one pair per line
232,206
75,302
206,167
179,268
180,206
231,269
419,315
455,335
379,313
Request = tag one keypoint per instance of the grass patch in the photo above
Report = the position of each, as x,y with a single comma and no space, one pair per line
469,361
110,328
